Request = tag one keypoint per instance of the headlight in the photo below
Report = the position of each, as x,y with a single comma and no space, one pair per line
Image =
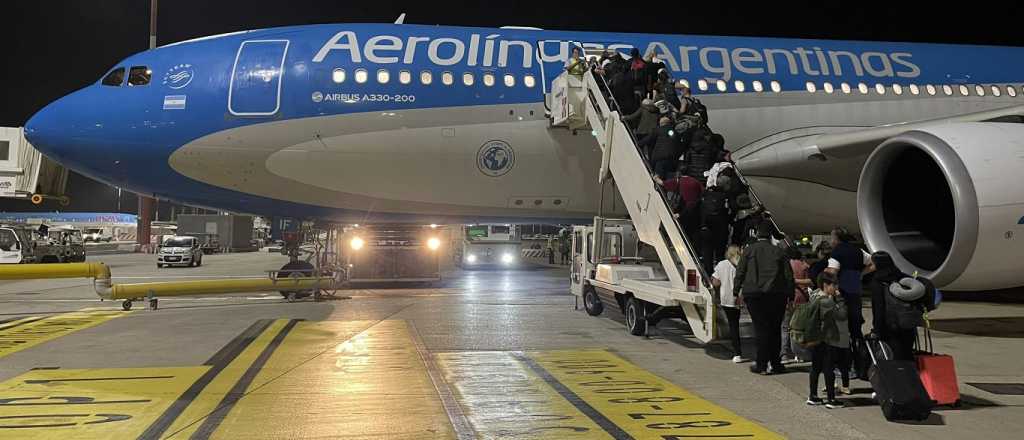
471,258
433,244
507,259
357,243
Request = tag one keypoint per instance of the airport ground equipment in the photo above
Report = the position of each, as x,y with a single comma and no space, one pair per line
393,253
70,238
487,245
129,293
682,285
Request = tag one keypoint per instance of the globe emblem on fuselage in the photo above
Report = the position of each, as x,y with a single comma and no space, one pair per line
179,76
495,158
317,96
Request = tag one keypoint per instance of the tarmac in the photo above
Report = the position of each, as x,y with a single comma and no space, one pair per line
489,354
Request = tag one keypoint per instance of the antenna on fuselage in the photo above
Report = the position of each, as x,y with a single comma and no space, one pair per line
400,19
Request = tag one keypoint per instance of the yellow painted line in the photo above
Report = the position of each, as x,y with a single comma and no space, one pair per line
504,398
16,338
211,395
332,378
642,404
89,404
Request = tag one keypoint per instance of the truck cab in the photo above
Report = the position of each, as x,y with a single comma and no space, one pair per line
15,246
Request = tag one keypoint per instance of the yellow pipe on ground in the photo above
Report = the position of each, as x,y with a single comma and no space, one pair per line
100,274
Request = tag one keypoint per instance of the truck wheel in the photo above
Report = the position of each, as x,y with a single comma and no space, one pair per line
304,269
591,303
636,319
159,266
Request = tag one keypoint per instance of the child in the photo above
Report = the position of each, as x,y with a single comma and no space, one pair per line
725,272
825,355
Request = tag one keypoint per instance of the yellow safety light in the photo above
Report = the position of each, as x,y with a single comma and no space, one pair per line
433,243
357,243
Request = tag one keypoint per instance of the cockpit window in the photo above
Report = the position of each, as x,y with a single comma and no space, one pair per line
114,78
139,76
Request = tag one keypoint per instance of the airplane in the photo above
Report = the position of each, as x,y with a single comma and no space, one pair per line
917,146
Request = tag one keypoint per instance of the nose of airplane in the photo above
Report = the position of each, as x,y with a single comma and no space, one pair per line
43,130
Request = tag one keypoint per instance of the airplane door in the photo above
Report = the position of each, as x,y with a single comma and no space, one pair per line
255,88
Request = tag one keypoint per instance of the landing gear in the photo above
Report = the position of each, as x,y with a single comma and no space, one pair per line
126,305
296,269
636,318
591,303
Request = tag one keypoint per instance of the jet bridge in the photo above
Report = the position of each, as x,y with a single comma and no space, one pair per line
25,173
578,103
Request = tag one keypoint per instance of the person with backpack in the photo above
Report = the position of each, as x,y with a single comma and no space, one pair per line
764,277
825,352
722,278
644,120
665,89
684,194
638,73
715,216
894,320
791,350
854,263
702,153
665,149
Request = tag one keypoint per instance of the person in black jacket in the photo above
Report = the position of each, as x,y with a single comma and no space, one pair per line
900,340
664,147
765,278
716,215
701,154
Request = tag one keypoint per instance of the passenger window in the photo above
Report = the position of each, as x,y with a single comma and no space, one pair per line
529,81
811,87
740,86
1011,91
447,78
361,76
489,79
139,76
467,79
383,76
684,83
880,89
828,88
426,77
338,76
776,87
947,90
702,85
720,84
914,90
846,88
931,89
510,80
758,87
898,89
114,78
863,88
996,91
404,77
979,90
964,90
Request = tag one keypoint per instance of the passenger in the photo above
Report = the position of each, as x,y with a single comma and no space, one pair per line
564,247
638,73
664,147
622,89
901,340
688,194
791,351
854,263
693,106
824,356
723,278
666,89
822,251
653,67
716,214
701,154
766,280
551,251
576,64
644,120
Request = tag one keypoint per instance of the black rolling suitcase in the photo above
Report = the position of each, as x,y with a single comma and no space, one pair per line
897,385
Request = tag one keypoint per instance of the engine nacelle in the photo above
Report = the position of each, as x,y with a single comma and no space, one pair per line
948,201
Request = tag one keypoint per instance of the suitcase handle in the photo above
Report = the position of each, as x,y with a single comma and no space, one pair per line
928,347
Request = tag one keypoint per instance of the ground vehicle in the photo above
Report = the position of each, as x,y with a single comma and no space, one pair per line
392,253
27,244
71,240
180,251
96,235
485,245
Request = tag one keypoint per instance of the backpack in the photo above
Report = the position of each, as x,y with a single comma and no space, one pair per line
697,108
805,326
714,203
899,314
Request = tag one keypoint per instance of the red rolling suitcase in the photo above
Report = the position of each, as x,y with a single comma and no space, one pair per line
938,374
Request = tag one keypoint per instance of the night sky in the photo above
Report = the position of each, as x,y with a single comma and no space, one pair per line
55,47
